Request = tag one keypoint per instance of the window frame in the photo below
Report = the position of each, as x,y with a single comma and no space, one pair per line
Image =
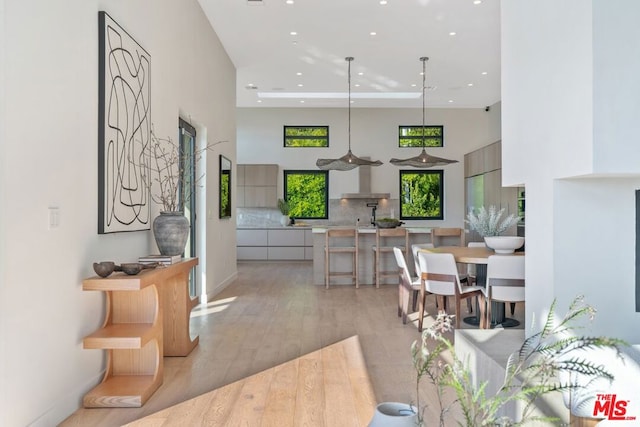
285,137
440,173
324,173
419,137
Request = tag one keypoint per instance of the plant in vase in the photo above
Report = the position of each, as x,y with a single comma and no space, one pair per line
172,183
489,224
284,208
546,362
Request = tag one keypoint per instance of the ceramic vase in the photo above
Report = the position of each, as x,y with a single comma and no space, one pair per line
171,231
394,414
284,220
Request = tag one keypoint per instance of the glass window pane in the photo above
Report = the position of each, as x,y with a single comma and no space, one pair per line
307,193
306,136
421,194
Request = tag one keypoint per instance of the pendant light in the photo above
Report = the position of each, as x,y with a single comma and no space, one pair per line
423,160
348,161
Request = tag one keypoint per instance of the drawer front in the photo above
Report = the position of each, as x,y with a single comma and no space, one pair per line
252,253
286,237
257,237
286,253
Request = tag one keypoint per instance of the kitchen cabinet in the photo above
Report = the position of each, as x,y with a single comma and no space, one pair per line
257,186
275,244
483,186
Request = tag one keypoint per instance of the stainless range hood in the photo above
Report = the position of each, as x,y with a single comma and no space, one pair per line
364,187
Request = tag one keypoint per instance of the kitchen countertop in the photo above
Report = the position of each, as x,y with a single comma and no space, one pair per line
371,230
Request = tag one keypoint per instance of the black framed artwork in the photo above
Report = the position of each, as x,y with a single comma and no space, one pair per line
124,130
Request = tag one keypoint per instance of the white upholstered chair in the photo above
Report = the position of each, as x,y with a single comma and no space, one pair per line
406,286
440,277
505,280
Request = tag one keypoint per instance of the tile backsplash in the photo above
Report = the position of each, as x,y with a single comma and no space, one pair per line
341,212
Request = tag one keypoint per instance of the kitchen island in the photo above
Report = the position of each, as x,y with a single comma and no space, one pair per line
366,240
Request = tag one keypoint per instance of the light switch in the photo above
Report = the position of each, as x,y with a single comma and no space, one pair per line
54,217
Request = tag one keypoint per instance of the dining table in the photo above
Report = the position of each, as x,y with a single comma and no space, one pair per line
479,256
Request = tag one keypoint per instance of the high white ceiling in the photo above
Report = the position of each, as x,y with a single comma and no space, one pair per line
463,70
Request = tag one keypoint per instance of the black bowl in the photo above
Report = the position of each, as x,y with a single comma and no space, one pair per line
104,268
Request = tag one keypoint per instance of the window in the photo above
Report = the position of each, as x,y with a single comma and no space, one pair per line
421,194
307,193
411,136
306,136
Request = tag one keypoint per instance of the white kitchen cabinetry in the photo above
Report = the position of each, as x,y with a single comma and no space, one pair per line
275,244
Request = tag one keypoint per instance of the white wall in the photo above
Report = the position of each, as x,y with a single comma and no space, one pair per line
569,109
374,133
49,157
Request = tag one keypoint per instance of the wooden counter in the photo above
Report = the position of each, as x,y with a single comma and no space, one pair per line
329,387
147,316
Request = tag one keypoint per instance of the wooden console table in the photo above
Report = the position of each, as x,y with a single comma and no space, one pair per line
147,316
329,387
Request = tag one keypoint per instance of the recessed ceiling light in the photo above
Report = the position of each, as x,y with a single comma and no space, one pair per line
298,74
293,33
300,85
484,73
302,101
477,1
372,33
251,86
469,84
452,33
259,100
451,100
361,73
413,85
357,85
383,2
289,2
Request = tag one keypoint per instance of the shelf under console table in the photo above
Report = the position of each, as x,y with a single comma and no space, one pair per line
147,317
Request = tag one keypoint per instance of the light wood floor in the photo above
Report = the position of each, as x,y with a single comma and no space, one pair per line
273,313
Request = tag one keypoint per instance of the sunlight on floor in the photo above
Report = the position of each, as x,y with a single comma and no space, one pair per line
212,307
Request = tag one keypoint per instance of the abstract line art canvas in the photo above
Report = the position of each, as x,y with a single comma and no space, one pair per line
124,130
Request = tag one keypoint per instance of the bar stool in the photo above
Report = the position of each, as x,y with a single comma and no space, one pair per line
386,239
346,242
440,233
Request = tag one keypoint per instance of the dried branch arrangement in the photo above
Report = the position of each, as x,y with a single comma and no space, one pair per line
165,166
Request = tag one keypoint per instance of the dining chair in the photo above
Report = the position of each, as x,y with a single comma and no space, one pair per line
471,268
440,277
341,241
406,286
415,248
505,280
443,236
386,240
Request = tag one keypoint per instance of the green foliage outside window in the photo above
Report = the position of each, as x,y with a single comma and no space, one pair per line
225,199
411,136
306,136
421,194
307,193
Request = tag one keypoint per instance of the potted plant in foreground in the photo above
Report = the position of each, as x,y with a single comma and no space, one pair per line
490,225
545,363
